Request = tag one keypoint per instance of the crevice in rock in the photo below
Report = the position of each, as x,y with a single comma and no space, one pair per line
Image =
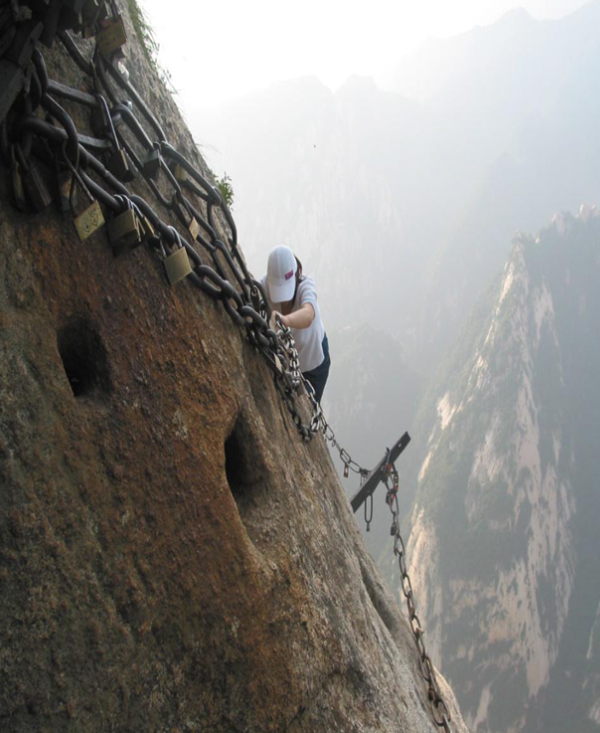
84,358
244,466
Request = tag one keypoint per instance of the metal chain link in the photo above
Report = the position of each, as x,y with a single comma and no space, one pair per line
439,709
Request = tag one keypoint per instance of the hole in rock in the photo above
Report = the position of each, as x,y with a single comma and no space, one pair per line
84,358
244,466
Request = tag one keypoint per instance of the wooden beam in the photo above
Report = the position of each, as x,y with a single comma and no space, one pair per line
378,473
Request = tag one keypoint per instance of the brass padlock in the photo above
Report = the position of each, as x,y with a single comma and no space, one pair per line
151,164
120,166
111,38
146,228
17,181
124,232
89,221
180,173
194,228
178,266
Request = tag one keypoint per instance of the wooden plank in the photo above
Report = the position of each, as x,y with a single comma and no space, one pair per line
378,473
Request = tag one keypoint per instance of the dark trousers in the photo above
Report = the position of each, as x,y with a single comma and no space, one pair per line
317,377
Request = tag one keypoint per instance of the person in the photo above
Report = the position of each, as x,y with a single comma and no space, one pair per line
293,298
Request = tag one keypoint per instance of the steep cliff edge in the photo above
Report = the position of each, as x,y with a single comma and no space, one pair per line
504,545
172,555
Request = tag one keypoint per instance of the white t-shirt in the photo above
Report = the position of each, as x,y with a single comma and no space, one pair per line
309,341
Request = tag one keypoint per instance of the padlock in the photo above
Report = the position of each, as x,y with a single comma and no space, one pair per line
194,228
17,181
124,232
120,166
89,221
112,37
345,470
180,173
151,164
36,188
177,266
146,228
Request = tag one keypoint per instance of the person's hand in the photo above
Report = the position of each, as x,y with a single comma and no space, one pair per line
279,318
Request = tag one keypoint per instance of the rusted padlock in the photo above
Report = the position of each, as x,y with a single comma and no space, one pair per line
112,37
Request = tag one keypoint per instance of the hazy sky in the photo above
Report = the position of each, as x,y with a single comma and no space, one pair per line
218,50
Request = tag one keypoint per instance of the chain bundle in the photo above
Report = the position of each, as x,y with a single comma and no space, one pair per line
99,167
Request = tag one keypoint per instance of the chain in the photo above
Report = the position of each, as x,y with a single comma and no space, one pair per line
245,301
439,709
318,421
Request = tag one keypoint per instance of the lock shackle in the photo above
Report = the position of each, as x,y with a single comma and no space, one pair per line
124,201
113,132
177,237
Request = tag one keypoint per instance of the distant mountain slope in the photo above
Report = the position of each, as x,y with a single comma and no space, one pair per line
402,209
504,548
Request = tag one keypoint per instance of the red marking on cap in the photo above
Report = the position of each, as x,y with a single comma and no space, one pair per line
289,274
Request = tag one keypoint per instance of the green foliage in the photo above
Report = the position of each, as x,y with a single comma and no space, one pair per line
148,42
144,32
226,189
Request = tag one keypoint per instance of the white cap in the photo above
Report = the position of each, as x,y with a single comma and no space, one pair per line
281,272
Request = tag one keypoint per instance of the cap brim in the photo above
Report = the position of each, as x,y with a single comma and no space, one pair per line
282,293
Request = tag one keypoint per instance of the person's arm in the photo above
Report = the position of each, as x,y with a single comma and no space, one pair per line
302,318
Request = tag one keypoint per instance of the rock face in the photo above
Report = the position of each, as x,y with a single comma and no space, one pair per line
504,545
172,555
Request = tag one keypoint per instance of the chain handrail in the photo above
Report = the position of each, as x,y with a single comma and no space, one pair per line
246,304
439,709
